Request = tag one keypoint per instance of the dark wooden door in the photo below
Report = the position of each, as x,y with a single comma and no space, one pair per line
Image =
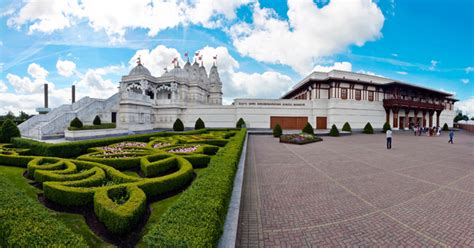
289,122
114,117
321,122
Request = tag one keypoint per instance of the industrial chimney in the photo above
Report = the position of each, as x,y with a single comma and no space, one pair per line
73,94
44,110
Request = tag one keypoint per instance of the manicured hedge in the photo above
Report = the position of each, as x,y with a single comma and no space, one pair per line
197,218
16,161
368,129
198,160
277,131
308,129
386,126
120,218
334,131
76,148
346,127
92,127
157,165
116,160
24,222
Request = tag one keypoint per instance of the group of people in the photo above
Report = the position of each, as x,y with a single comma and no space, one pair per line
418,130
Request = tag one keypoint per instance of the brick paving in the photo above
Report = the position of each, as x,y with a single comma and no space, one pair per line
352,192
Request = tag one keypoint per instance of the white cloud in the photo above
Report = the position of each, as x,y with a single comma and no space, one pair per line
343,66
309,34
116,16
402,72
65,67
395,54
3,86
466,106
370,73
465,80
36,71
453,93
434,63
266,85
156,59
469,69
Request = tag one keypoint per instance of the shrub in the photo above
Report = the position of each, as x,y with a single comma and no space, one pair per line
178,125
334,132
157,165
368,129
96,120
120,217
308,129
277,132
445,127
203,204
199,124
92,127
24,222
386,127
346,127
8,130
76,123
240,123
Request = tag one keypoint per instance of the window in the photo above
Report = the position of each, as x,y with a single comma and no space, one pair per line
371,96
357,95
169,96
343,93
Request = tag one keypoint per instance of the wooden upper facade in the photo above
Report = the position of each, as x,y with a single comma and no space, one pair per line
360,87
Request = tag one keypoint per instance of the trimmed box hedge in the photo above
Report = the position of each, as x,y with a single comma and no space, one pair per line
197,217
120,218
24,222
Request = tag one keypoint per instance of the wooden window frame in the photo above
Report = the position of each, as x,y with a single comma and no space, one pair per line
370,96
358,94
344,92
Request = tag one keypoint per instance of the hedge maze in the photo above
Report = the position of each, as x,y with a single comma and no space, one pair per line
162,165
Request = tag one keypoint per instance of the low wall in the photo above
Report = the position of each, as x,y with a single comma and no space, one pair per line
467,127
93,134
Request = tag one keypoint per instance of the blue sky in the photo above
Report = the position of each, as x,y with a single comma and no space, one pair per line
264,47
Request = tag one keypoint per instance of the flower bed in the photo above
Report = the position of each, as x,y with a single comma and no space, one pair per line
186,149
299,139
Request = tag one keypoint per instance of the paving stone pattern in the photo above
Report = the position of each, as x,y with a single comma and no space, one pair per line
352,192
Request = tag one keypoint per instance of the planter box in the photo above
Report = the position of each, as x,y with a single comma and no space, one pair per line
93,133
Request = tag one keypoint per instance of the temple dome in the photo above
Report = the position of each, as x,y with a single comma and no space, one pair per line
139,70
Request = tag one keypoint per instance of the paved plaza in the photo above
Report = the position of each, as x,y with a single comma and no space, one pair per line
352,191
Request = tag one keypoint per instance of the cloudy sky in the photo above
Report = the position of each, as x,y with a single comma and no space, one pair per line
263,46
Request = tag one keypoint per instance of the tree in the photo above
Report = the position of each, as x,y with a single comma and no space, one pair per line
277,132
10,115
178,125
368,128
460,117
240,123
199,124
334,131
308,129
76,123
23,116
96,120
346,127
8,130
386,127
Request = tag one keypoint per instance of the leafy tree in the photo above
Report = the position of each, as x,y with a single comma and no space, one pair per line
96,120
240,123
277,132
368,128
334,131
386,127
178,125
308,129
76,123
346,127
460,117
10,115
8,131
199,124
23,116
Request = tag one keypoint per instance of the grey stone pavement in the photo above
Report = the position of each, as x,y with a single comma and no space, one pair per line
352,192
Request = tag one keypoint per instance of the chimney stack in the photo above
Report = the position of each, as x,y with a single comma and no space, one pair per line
73,94
45,95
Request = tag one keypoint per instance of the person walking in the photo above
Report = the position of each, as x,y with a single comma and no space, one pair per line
389,138
451,136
